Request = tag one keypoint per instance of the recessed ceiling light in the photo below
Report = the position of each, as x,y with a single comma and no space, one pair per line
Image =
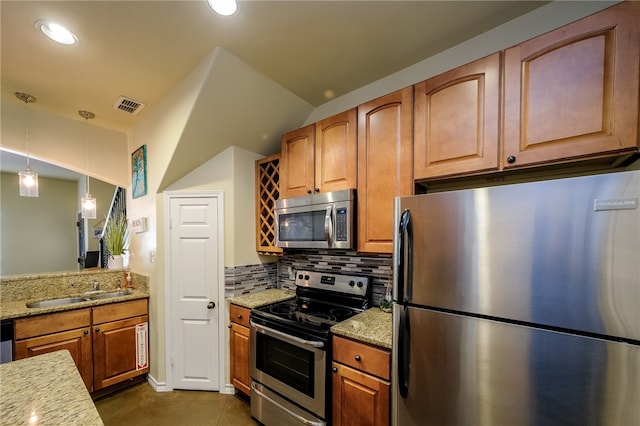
223,7
56,32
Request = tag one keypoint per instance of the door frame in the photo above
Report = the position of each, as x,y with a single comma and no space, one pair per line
168,196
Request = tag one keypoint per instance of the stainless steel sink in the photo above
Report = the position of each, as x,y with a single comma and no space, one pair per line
109,295
56,302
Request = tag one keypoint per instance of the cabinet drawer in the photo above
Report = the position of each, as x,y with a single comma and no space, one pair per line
51,323
122,310
369,359
239,314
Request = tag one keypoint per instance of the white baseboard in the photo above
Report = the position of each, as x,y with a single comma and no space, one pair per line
228,389
157,386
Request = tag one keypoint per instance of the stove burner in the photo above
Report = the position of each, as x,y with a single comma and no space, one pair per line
283,309
341,312
316,318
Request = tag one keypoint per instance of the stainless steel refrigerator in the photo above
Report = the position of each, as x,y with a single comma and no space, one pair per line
519,304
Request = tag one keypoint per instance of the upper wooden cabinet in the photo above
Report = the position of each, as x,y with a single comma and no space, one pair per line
573,92
320,157
385,166
297,162
456,120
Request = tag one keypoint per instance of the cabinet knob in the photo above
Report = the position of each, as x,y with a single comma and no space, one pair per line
308,191
239,316
97,330
316,189
86,332
211,305
334,369
229,326
511,159
358,358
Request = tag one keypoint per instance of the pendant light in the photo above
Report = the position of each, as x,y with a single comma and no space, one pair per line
28,179
88,202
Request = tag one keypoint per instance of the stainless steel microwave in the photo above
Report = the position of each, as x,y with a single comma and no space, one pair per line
317,221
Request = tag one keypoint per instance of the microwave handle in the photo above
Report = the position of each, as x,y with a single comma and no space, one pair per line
328,225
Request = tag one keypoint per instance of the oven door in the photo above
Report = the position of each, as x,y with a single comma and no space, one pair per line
290,366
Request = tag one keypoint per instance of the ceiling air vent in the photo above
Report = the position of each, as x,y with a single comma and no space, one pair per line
128,105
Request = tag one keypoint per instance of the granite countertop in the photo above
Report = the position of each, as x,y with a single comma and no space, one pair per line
372,326
18,308
255,300
45,390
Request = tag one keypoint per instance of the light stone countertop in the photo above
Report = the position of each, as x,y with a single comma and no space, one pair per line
18,308
266,297
372,326
45,390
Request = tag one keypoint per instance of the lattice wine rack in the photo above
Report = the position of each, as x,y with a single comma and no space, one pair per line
267,177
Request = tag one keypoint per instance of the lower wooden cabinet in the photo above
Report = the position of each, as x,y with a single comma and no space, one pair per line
68,330
239,348
360,384
104,350
116,355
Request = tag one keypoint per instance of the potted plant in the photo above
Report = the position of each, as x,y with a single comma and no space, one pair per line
115,239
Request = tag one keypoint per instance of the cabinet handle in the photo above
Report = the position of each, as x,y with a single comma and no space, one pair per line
334,369
317,189
358,358
86,332
511,159
97,330
239,316
308,191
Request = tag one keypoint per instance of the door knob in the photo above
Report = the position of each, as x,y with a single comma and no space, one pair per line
211,305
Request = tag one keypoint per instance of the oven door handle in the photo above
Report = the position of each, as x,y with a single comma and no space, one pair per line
275,333
285,409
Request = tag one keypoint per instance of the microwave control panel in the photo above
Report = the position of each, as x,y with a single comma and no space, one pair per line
341,224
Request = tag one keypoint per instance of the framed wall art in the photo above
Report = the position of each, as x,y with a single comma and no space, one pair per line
139,172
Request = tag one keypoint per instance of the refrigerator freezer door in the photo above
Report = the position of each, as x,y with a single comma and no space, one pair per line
563,253
470,371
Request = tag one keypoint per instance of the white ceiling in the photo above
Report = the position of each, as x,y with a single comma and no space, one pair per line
142,49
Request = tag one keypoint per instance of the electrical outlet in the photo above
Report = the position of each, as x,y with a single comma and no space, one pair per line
152,256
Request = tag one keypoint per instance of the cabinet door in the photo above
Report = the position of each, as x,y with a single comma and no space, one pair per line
359,399
239,350
456,121
77,342
573,92
297,162
385,162
114,352
336,152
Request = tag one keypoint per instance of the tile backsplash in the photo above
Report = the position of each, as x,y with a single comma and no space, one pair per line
378,267
246,279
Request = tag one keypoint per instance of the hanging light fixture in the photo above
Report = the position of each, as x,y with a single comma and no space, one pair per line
88,201
28,179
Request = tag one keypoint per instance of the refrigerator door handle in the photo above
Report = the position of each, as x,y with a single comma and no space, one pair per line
404,353
405,259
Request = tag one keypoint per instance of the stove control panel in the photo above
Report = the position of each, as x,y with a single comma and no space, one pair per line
351,284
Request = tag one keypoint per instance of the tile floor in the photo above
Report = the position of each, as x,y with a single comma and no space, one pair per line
140,405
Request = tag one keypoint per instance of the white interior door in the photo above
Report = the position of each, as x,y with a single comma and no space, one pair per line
195,274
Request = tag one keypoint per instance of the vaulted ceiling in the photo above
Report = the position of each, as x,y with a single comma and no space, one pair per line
141,49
